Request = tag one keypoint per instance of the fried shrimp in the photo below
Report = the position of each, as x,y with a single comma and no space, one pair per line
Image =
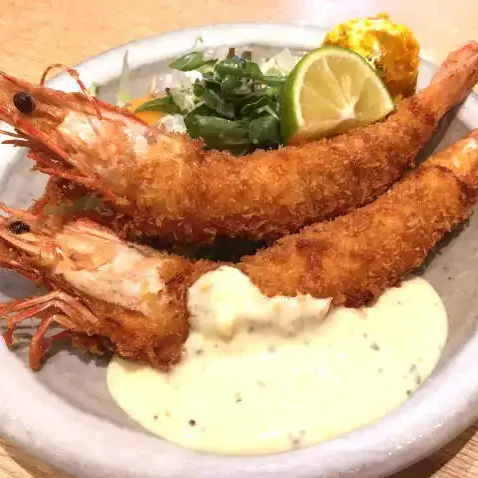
354,258
170,187
101,286
136,298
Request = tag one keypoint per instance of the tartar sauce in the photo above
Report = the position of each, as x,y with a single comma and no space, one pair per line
264,375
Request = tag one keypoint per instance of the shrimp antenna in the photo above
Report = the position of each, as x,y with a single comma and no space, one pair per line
75,75
17,213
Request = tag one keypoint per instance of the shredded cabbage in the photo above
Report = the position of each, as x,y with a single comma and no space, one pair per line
173,123
281,64
123,96
93,89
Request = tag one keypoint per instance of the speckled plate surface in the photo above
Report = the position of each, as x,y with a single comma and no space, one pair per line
65,415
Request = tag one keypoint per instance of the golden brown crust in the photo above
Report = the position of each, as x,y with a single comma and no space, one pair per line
351,259
354,258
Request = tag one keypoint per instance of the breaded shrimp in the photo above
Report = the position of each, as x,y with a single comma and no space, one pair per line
136,298
354,258
170,187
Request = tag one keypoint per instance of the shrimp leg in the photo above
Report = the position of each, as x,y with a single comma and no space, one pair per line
39,345
20,310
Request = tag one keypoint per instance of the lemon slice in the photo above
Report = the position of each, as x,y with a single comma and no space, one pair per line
330,91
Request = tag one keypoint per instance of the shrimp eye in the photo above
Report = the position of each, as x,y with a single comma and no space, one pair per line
23,102
18,227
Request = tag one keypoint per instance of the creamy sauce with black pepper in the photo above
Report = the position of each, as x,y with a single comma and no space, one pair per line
264,375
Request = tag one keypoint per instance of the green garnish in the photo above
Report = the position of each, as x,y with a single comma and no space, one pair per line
264,130
189,62
238,67
213,101
219,133
165,104
234,106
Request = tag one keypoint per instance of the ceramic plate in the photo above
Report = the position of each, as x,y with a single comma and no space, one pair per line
64,413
